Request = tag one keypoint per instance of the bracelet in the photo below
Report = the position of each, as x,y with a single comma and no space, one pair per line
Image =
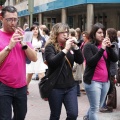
7,48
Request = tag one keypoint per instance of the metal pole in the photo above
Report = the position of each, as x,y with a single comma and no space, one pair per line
90,16
31,9
8,2
31,19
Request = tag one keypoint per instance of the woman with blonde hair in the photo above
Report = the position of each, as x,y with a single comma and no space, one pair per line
59,49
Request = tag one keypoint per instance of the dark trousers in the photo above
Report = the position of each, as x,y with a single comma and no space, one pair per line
78,87
16,98
66,96
112,96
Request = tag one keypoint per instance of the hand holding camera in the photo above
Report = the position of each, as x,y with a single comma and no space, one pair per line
71,42
106,43
16,37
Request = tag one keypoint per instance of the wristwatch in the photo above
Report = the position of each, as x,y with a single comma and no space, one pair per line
7,48
24,47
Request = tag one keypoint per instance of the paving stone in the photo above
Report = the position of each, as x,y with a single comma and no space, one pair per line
38,109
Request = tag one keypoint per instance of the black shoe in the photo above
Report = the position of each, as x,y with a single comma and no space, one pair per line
106,110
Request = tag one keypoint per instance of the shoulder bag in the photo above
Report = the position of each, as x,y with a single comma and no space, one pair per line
48,81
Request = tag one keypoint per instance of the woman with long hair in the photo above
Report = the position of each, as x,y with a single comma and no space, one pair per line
38,66
111,99
98,54
60,48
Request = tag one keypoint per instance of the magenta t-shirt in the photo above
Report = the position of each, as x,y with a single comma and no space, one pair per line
101,73
13,69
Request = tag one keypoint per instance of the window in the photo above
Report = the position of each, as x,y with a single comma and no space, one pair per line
102,18
82,22
49,22
118,22
70,21
18,1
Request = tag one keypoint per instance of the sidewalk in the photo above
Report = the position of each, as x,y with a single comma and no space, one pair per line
38,109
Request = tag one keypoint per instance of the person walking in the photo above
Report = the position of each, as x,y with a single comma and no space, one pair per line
85,37
98,54
79,36
13,86
118,36
118,70
26,27
46,33
60,48
77,71
38,66
111,98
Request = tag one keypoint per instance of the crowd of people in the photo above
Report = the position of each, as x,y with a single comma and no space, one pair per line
89,62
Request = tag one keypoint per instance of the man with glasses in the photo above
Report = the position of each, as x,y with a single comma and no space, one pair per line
13,89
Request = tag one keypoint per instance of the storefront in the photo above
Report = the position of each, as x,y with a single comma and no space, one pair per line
77,13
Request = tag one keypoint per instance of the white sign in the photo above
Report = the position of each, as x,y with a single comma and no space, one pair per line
28,36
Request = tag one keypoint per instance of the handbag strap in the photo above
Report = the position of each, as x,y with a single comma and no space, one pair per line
68,62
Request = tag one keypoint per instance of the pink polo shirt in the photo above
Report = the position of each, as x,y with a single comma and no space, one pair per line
13,69
101,73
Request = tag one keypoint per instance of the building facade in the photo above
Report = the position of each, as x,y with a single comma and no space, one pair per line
77,13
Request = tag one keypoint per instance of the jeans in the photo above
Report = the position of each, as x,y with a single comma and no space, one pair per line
78,88
16,97
66,96
104,104
96,93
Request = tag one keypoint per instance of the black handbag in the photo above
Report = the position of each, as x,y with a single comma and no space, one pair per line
48,81
112,96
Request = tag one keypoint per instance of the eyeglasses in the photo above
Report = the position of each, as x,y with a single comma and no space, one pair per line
9,20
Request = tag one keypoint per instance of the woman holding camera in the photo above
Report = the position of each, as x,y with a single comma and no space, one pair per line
98,54
60,49
111,99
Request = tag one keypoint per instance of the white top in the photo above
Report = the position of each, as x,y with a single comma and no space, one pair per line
38,66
